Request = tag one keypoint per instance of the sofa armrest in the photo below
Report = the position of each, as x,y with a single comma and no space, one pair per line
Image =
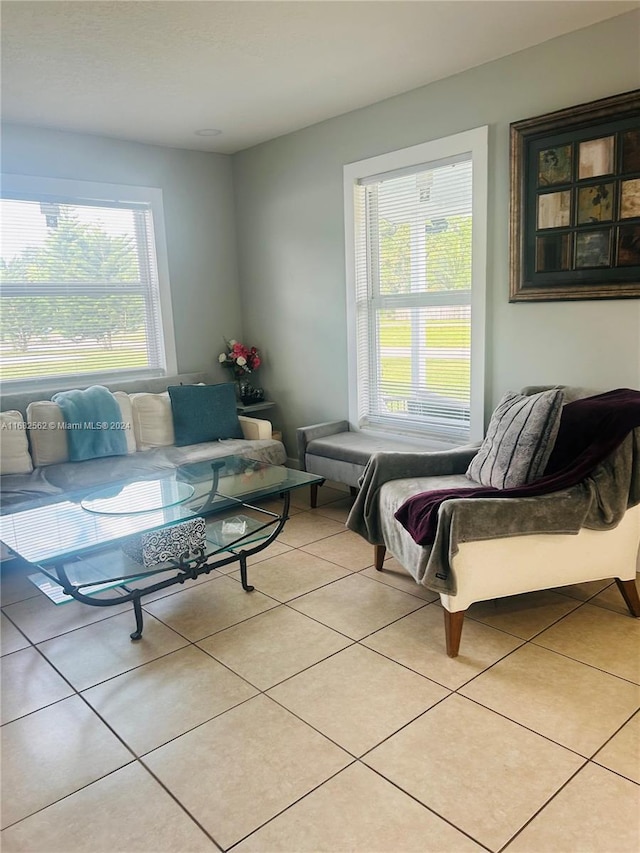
307,434
364,517
398,465
254,429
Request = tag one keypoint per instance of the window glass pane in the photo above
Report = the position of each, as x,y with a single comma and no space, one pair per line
423,372
78,289
421,224
413,300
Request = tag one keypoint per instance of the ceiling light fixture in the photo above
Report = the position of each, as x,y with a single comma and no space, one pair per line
208,131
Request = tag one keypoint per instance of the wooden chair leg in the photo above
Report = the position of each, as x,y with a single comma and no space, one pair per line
629,592
378,556
313,498
453,631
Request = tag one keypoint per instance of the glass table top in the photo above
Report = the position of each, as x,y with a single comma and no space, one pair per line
56,531
139,496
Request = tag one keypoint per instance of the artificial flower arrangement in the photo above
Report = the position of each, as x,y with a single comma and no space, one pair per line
240,359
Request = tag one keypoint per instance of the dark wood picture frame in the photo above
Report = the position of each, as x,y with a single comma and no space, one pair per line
574,225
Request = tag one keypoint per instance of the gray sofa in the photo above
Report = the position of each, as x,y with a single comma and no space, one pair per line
150,443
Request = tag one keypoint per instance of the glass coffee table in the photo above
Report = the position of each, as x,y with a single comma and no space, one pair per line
76,544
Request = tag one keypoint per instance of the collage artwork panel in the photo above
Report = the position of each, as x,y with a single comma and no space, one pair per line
589,190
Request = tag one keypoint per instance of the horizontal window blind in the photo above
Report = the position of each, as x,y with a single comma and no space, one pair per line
79,292
413,298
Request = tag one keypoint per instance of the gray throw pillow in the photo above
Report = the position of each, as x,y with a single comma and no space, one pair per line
519,440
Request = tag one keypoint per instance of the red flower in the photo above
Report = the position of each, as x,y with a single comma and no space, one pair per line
249,355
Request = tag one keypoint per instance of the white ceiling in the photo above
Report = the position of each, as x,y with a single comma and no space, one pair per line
157,72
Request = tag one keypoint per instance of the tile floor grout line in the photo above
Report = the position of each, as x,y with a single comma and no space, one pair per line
197,726
213,633
585,663
49,704
291,805
18,628
536,633
434,680
93,711
375,631
70,630
543,807
428,808
139,756
179,803
403,665
491,666
535,636
288,677
391,586
302,594
617,731
310,725
316,588
318,622
124,671
404,726
523,726
615,772
70,794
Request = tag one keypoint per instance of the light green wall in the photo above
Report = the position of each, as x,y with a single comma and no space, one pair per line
199,222
290,225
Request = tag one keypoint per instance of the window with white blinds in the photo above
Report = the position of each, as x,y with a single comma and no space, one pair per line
413,299
80,289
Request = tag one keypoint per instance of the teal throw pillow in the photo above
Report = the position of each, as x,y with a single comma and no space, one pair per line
204,413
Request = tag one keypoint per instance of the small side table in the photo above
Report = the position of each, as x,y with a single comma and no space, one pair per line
248,408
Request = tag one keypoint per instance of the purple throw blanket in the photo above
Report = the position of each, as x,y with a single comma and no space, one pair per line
590,429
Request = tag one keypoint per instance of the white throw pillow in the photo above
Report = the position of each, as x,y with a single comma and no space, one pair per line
152,420
14,447
48,435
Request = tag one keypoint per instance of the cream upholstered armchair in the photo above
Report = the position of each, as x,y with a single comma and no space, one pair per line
550,498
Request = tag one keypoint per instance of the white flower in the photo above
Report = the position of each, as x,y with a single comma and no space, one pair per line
232,342
222,357
241,361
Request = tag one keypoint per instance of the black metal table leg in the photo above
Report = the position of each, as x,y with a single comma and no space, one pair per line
137,609
243,573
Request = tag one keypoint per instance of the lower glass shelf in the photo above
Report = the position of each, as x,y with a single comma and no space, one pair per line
236,532
98,570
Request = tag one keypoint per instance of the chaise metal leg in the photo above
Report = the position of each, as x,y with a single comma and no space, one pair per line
313,498
453,630
378,556
629,592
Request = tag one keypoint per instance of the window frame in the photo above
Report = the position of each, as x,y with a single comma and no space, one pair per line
88,191
475,143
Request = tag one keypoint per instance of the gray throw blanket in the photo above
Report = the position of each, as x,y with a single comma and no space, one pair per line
598,502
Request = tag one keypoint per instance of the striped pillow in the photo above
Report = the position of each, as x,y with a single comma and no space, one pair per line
519,440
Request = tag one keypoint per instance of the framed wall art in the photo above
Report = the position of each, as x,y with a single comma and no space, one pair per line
575,203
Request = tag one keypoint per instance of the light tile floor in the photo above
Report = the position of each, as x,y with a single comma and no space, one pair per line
319,713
